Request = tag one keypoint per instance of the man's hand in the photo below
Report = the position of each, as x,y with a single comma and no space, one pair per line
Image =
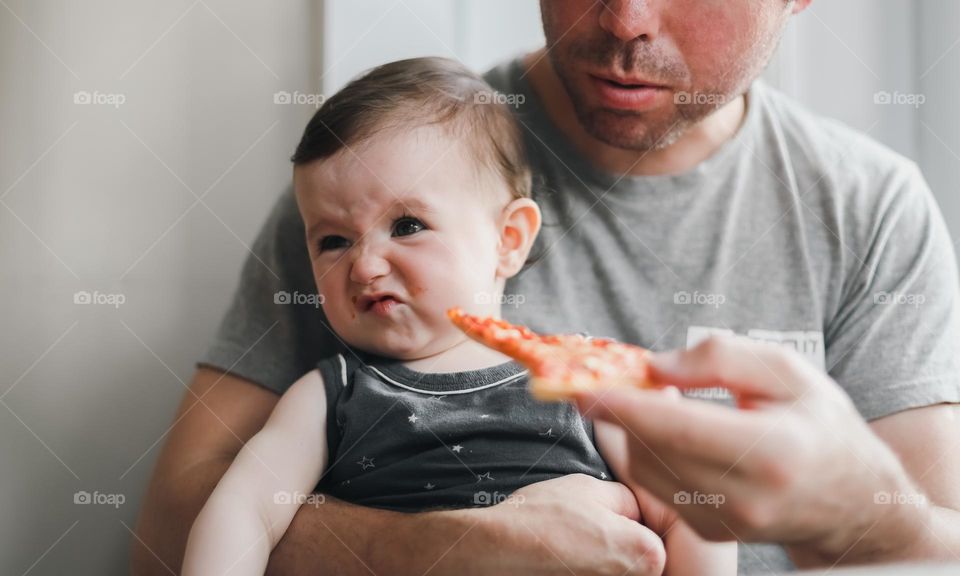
796,465
574,523
583,525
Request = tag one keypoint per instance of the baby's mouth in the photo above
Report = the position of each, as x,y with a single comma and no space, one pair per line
379,303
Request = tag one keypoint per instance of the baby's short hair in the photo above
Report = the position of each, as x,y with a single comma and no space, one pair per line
421,92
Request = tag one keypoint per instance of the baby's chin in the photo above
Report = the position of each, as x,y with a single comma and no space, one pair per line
403,348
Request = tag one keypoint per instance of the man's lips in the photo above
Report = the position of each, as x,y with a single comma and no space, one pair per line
633,94
627,81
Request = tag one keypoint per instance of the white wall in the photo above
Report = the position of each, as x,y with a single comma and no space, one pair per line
99,198
482,33
938,78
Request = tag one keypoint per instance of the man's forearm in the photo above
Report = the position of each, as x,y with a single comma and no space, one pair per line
169,510
940,539
341,538
933,535
552,533
333,538
922,532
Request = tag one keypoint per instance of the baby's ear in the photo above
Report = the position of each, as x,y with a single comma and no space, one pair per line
519,225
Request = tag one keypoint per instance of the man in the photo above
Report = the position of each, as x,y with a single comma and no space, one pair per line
681,199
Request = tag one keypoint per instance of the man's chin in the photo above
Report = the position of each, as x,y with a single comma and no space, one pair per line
628,131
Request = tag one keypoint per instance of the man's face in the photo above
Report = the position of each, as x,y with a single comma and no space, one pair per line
641,72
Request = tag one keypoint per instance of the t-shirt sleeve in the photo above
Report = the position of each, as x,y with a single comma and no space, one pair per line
894,343
274,330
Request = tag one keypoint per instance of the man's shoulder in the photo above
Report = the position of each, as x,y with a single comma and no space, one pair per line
846,178
827,148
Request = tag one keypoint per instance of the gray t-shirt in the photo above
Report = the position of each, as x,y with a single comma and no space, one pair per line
798,230
411,441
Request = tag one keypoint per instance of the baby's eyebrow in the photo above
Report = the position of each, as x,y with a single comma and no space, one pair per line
319,223
315,229
415,204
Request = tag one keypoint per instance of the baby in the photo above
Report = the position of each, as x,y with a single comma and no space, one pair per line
416,197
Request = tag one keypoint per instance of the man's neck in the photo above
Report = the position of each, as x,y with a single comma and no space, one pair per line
696,145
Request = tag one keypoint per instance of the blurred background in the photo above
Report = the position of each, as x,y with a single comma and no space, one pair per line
143,143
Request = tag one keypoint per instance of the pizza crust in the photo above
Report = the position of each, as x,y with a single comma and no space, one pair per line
560,365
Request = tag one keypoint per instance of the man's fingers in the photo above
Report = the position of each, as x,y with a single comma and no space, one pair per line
649,554
618,499
747,368
665,425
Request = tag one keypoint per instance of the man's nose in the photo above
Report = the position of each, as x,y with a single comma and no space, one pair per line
631,19
368,265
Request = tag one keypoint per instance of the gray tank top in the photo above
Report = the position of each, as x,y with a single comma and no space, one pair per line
411,441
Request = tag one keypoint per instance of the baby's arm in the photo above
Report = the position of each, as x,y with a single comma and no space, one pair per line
687,552
254,502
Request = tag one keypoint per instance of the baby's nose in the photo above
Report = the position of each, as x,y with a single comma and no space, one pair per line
368,266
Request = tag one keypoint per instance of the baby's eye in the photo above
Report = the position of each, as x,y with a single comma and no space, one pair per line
407,226
332,243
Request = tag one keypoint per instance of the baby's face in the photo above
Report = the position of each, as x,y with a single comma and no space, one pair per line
400,229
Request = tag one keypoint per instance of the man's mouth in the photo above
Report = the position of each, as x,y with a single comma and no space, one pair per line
627,81
633,94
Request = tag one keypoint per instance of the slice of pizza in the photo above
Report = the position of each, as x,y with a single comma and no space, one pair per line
560,365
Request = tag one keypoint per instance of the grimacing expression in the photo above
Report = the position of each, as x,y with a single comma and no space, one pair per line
403,215
694,56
